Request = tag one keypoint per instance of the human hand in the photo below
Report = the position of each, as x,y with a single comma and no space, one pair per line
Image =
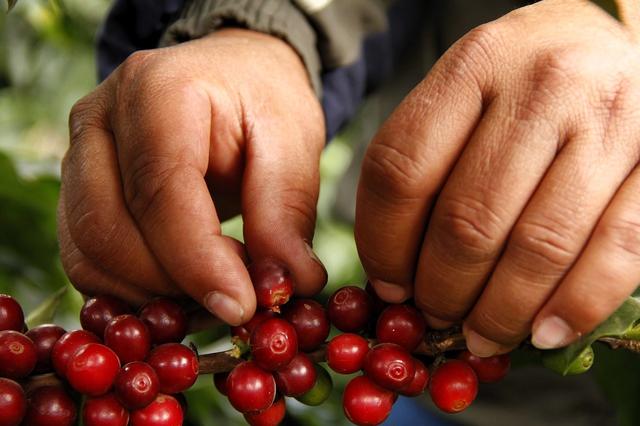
177,140
505,191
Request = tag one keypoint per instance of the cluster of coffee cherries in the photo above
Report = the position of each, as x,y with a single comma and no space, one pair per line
120,369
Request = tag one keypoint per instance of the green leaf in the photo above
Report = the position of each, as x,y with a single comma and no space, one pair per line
610,7
619,323
45,312
11,4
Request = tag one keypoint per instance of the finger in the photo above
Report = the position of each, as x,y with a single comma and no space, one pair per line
163,149
406,165
607,272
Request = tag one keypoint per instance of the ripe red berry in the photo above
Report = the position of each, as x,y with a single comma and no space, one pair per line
297,377
272,283
366,403
243,332
489,370
176,366
390,366
349,309
128,337
50,405
402,325
136,385
453,386
418,384
92,369
13,403
11,315
18,355
220,382
98,311
165,320
274,343
44,337
66,346
251,389
310,320
104,411
272,416
165,410
346,353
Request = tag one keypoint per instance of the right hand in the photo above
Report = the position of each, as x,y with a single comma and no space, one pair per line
172,143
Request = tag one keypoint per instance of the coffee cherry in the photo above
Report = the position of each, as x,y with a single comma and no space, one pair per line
66,346
128,337
18,355
555,360
165,320
136,385
165,410
182,400
453,386
104,411
320,391
220,382
402,325
366,403
418,384
11,315
243,332
310,320
98,311
251,389
92,369
390,366
489,370
297,377
13,403
44,337
272,283
176,366
48,406
272,416
346,353
349,309
274,343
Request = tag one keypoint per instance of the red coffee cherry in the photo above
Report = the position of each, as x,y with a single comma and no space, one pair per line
92,369
136,385
243,332
104,411
390,366
453,386
44,337
311,322
220,382
418,384
251,389
66,346
272,416
11,315
165,410
297,377
489,370
176,366
346,353
274,343
13,403
128,337
48,406
272,283
165,320
402,325
366,403
18,356
349,309
98,311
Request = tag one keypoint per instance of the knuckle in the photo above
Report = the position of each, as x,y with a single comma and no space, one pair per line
138,61
87,113
479,48
503,330
538,246
443,308
624,234
300,204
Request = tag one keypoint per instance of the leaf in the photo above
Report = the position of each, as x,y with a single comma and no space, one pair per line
45,312
621,321
609,6
11,4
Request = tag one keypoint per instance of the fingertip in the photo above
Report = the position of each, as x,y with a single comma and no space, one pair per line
227,308
390,292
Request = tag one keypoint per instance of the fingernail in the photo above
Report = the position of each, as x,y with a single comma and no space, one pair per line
224,307
480,346
436,323
391,293
314,256
551,333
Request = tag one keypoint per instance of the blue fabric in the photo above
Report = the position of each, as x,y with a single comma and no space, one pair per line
409,412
